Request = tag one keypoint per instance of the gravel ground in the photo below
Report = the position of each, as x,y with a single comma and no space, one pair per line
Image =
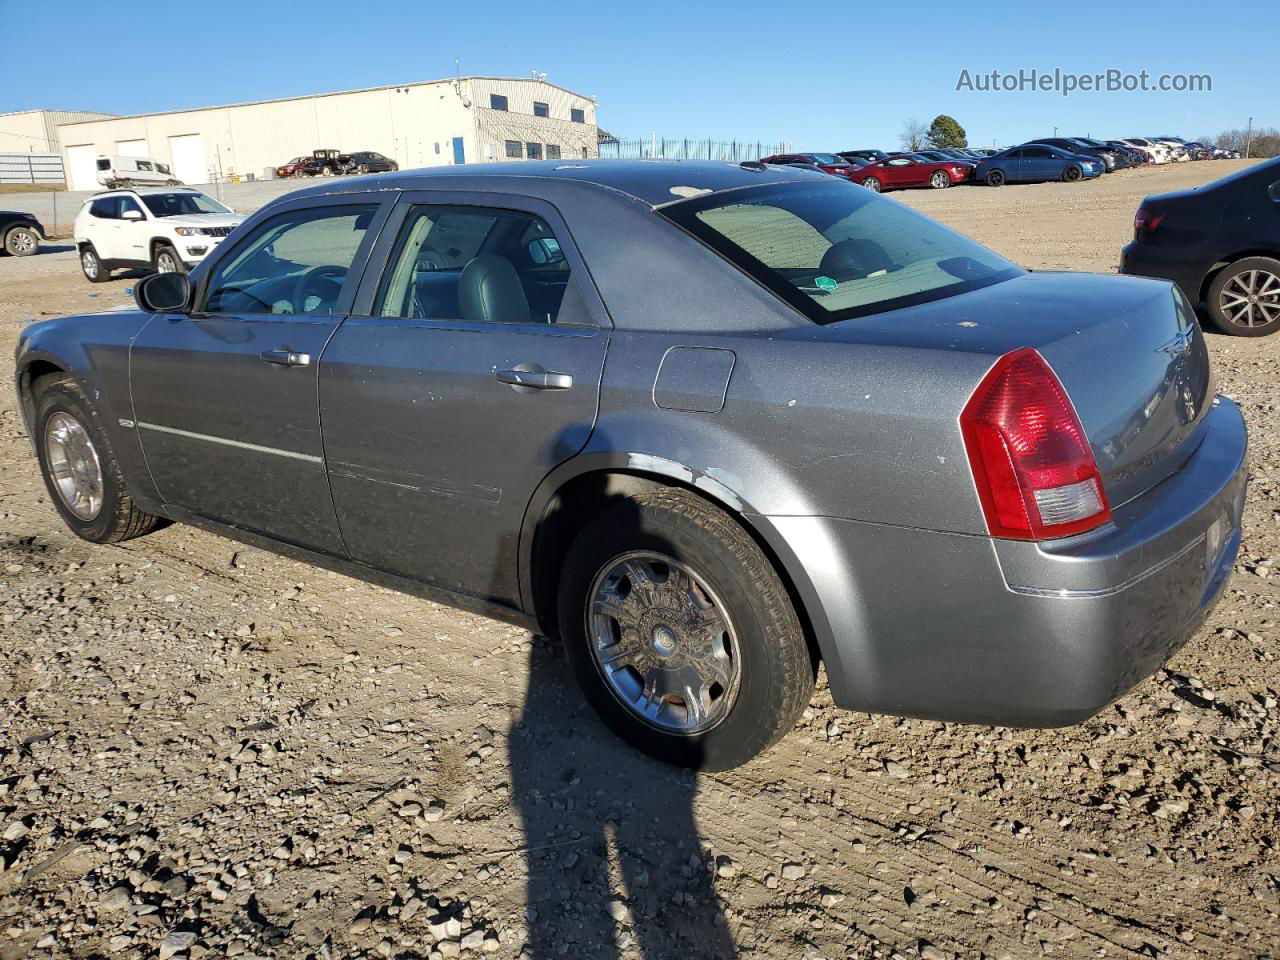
210,751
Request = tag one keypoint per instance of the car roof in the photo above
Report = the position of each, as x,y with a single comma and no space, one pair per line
146,191
653,182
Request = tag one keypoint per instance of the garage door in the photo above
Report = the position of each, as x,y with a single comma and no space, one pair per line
82,168
131,148
187,154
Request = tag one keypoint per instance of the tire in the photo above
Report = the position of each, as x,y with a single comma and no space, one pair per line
166,260
363,169
297,174
872,184
62,409
940,180
767,674
1072,173
995,178
92,266
21,242
1227,299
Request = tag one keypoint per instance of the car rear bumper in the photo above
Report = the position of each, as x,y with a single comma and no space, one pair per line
1143,260
972,629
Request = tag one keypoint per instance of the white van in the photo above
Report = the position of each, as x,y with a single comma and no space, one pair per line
116,172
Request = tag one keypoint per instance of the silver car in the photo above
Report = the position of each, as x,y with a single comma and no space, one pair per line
712,425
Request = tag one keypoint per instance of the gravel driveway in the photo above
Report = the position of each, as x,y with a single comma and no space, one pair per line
207,750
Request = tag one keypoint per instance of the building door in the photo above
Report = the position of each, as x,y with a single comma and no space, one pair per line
82,168
459,154
187,154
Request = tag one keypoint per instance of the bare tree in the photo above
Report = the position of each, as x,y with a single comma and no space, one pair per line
914,135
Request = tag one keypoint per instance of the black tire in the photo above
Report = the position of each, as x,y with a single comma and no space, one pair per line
995,178
118,518
1072,173
21,242
940,180
363,169
91,265
1223,289
872,184
166,260
775,670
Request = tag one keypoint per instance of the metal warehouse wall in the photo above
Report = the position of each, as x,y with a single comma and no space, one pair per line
415,124
36,131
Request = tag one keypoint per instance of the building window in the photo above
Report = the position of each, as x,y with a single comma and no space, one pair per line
541,109
513,149
437,148
553,151
533,151
584,153
577,116
497,101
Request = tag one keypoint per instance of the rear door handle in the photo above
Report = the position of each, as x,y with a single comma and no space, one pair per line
286,358
535,379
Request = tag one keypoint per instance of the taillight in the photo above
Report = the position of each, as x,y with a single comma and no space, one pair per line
1144,221
1031,462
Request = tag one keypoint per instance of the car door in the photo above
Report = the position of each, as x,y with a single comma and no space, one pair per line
1036,162
224,398
133,231
469,370
898,172
103,227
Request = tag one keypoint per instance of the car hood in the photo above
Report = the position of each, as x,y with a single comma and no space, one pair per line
205,220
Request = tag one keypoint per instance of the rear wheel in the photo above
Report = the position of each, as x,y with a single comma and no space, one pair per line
166,260
995,178
1244,298
79,468
364,168
872,184
940,180
93,269
21,242
1072,173
681,633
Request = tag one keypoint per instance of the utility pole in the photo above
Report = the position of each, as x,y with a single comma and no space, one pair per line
1055,131
1248,138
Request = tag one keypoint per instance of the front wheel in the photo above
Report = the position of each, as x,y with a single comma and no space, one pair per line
167,260
995,178
940,180
872,184
79,468
21,242
681,632
1244,298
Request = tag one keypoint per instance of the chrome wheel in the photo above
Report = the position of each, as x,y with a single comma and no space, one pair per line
872,184
166,262
21,242
73,465
89,263
1251,299
940,180
663,643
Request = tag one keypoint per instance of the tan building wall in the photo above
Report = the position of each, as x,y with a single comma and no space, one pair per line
414,124
36,131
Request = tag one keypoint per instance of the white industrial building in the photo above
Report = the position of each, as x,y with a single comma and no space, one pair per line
36,131
460,120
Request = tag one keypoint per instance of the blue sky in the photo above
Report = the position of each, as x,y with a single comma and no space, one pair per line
823,76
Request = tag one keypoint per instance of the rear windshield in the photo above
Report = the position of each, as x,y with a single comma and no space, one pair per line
836,250
181,204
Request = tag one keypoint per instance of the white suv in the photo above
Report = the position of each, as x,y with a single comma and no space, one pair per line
166,230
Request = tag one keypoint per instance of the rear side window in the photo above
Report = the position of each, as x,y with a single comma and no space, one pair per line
105,208
836,251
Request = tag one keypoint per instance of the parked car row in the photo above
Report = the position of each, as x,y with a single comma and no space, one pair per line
333,163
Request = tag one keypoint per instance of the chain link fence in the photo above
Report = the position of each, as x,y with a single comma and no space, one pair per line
734,151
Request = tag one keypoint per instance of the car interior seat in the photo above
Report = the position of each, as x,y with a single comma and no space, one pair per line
854,259
490,290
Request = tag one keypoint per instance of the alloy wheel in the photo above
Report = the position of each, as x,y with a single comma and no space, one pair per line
165,262
90,264
663,642
21,242
1251,299
73,465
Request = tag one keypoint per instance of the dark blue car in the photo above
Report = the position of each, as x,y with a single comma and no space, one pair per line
1033,163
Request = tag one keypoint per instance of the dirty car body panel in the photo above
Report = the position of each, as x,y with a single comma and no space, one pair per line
836,444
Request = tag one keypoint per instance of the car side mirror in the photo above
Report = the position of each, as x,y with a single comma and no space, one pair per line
163,292
131,215
545,250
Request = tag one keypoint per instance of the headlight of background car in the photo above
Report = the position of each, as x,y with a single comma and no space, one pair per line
188,231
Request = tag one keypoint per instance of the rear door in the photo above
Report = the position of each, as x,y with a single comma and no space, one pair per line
104,228
469,370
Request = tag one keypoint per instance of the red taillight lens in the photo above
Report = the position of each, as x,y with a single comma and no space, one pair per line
1145,220
1031,462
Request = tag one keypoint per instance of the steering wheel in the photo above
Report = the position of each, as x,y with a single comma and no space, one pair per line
325,273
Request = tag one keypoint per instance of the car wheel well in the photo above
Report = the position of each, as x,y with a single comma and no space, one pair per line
1225,262
586,496
158,242
30,375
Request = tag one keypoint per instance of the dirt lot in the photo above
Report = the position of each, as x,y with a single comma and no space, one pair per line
207,750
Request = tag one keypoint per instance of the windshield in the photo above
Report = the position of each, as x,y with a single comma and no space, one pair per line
181,204
836,251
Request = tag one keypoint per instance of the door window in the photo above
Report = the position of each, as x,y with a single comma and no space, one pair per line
478,264
105,208
294,263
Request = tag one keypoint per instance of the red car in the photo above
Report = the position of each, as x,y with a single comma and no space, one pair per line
908,170
826,162
294,168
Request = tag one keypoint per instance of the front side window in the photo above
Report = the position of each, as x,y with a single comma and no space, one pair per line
181,204
477,264
577,116
497,101
533,151
541,109
127,204
836,253
163,168
513,149
294,263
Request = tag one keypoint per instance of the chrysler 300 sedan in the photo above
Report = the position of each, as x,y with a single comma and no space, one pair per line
713,426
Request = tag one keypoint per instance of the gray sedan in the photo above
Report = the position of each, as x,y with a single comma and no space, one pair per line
712,425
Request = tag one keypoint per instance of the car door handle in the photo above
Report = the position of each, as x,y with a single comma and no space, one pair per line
535,379
286,358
